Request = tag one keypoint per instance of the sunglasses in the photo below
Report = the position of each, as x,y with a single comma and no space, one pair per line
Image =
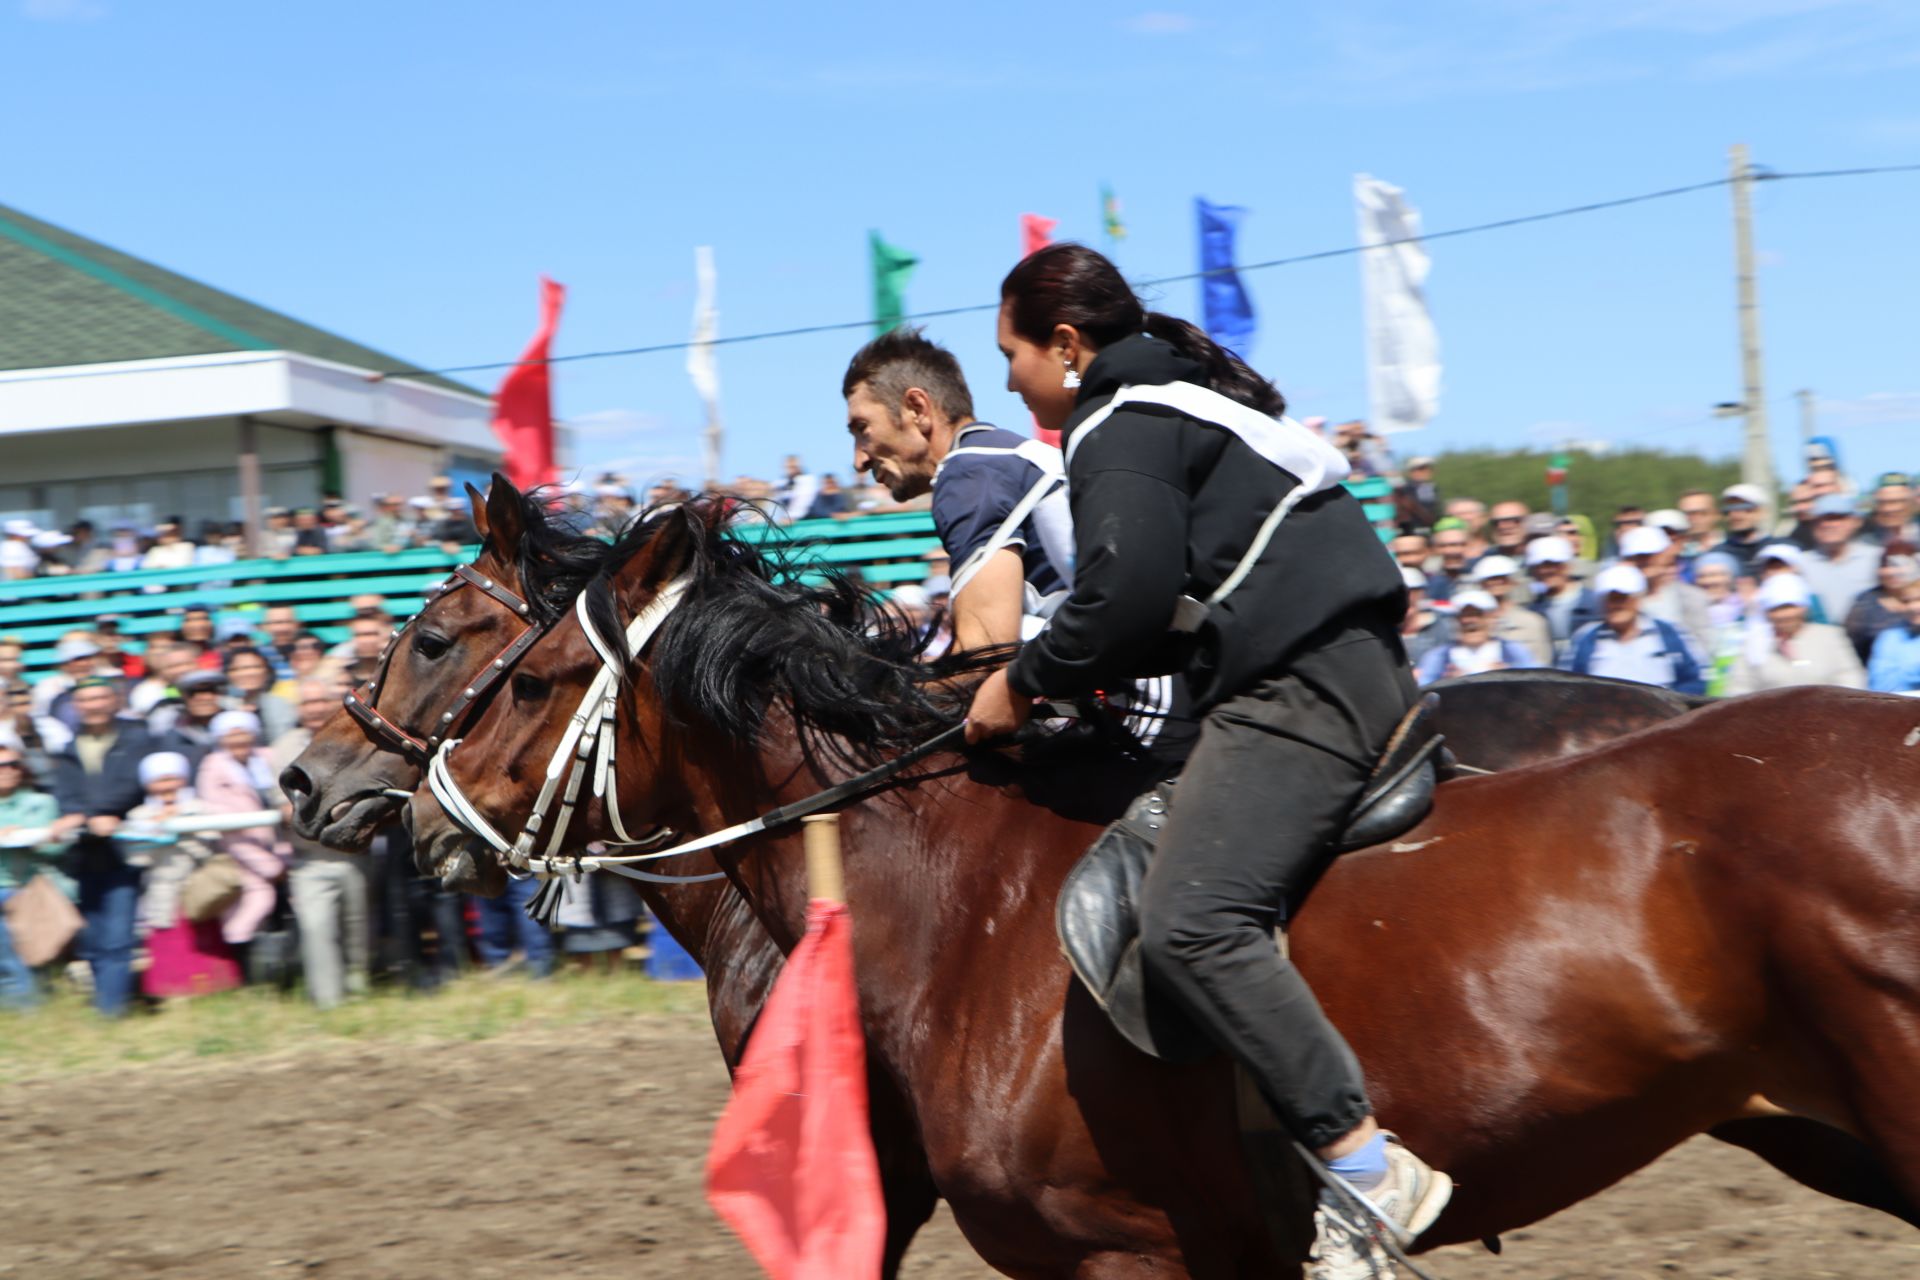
12,764
1508,519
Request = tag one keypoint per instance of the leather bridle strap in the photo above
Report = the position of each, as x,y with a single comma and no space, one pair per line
363,704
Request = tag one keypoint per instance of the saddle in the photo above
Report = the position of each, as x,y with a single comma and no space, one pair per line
1097,914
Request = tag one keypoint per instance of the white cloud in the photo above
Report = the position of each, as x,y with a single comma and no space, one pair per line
63,10
1158,22
1875,409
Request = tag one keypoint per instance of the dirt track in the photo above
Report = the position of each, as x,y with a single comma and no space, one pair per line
577,1154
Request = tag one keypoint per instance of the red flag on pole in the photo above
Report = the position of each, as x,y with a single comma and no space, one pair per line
1036,233
792,1168
523,407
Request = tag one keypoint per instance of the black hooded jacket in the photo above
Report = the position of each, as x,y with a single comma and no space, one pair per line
1165,506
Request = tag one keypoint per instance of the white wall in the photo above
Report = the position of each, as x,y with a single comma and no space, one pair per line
372,464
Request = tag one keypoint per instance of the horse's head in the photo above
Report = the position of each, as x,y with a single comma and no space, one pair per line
529,731
341,787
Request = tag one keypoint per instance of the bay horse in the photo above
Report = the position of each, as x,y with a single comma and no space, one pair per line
1563,972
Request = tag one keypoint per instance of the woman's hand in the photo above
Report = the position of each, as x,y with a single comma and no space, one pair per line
997,710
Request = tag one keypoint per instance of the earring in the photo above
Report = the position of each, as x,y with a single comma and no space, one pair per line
1072,380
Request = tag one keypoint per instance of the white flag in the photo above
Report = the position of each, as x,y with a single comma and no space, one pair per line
701,366
1403,353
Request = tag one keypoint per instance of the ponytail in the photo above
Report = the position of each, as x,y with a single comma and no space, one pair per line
1073,285
1226,372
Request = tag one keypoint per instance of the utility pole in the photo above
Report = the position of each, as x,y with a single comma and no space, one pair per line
1757,466
1807,427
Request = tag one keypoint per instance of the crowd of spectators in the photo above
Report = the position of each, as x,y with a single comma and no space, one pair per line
1711,595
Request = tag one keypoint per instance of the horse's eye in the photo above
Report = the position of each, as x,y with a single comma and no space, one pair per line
430,646
529,688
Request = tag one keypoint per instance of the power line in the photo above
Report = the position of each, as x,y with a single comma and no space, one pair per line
1499,224
801,331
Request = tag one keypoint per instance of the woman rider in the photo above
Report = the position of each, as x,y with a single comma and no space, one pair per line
1212,537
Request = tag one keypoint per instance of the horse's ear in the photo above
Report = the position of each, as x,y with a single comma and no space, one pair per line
671,550
501,519
477,504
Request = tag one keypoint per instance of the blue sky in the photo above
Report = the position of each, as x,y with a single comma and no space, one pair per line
402,172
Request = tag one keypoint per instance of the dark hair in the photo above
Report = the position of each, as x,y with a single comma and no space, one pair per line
1071,284
243,651
903,358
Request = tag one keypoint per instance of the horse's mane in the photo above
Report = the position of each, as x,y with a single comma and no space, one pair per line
555,557
764,625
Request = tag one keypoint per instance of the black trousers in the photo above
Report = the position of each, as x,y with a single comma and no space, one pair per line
1269,786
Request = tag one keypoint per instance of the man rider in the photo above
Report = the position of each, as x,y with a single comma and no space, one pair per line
911,418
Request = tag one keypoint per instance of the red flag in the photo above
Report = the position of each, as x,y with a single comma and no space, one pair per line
523,407
792,1168
1036,233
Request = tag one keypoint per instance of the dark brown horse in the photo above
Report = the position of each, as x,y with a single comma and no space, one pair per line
1563,972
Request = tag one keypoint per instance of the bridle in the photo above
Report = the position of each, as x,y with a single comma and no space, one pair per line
363,704
587,747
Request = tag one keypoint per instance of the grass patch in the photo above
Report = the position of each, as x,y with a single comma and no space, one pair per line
65,1037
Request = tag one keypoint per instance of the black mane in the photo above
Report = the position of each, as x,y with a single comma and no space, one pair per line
555,558
763,625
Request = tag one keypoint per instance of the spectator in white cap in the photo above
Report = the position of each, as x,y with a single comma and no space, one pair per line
18,559
1422,629
1839,566
184,957
1744,507
169,549
237,777
1626,645
1559,597
1475,648
79,657
1788,649
1651,550
50,545
1499,576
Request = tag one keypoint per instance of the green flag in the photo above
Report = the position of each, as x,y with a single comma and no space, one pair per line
891,267
1110,215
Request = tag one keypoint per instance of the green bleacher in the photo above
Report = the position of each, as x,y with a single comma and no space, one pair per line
887,550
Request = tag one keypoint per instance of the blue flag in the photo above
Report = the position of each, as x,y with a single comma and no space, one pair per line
1226,309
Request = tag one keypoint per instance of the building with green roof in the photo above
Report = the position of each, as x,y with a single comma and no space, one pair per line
132,394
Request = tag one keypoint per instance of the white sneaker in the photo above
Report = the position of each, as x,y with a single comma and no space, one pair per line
1347,1239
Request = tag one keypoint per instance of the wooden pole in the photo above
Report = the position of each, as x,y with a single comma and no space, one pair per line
825,878
1756,466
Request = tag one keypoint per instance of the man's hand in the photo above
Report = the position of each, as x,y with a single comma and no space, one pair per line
67,824
103,824
997,710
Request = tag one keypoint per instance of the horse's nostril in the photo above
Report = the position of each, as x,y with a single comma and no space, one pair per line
295,782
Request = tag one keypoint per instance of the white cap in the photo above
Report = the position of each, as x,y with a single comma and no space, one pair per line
1415,580
1645,540
420,503
68,650
1553,549
20,528
163,764
910,596
1672,519
1784,552
1751,494
234,722
1473,599
1784,589
1494,567
1622,579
